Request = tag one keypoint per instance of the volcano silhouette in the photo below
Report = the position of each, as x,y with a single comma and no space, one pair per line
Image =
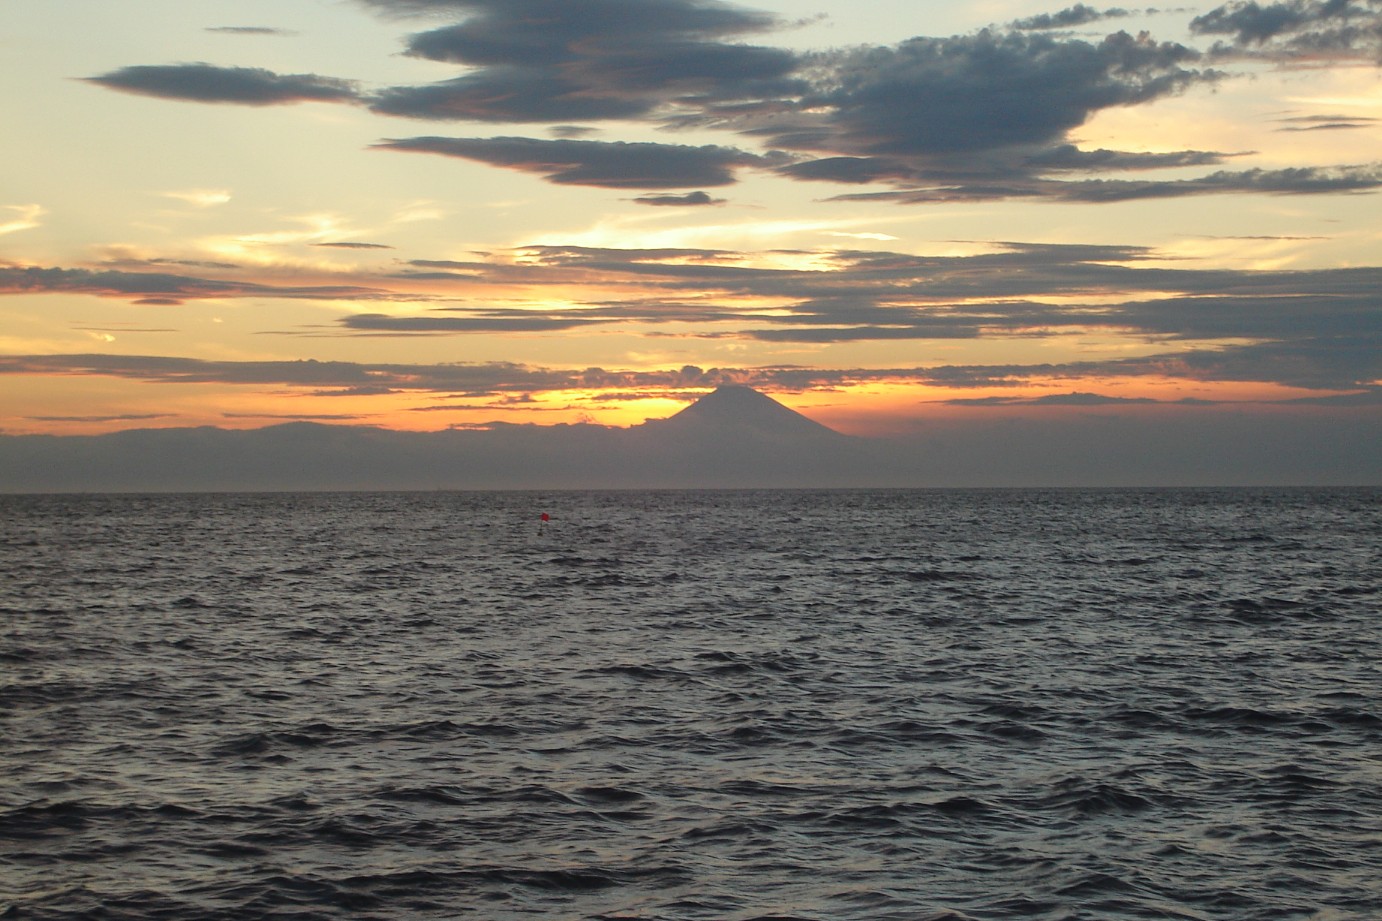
736,411
739,437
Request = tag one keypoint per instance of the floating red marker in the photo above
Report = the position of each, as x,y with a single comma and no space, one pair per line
546,517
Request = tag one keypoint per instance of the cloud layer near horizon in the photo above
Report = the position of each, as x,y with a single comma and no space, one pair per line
502,379
1308,329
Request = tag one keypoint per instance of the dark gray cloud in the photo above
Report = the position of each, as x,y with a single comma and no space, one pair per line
991,104
1314,362
551,60
969,118
629,18
1068,18
1251,23
976,117
1322,316
938,98
346,244
500,95
853,170
162,288
253,86
690,199
1365,398
1297,30
607,164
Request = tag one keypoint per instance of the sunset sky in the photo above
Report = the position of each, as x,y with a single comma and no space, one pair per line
893,214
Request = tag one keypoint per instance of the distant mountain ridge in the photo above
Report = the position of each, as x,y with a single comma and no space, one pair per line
733,437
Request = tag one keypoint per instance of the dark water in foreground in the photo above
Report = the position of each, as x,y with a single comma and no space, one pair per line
834,705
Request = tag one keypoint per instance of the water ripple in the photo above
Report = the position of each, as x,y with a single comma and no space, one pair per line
957,706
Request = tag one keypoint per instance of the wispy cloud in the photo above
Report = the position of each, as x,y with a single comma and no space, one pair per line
202,198
473,321
1327,123
27,218
250,30
121,417
1289,181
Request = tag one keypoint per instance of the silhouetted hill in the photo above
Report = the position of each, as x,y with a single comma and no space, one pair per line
742,411
737,436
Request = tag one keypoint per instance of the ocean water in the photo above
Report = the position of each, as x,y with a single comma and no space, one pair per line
693,705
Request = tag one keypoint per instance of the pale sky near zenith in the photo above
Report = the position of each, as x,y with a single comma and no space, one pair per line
891,216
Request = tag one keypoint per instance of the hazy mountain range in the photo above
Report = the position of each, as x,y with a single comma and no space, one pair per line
733,437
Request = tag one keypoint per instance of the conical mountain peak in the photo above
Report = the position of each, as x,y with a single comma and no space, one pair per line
743,409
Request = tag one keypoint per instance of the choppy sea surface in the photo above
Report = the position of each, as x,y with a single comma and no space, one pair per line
693,705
